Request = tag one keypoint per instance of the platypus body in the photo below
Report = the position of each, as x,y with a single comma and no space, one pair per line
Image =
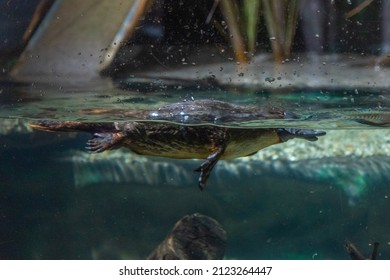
167,139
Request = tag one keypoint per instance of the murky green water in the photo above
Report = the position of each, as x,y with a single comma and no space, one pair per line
298,200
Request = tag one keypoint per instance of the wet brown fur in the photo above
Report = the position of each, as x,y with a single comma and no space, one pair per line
175,141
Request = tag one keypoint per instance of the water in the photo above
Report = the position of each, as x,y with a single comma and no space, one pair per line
315,108
297,200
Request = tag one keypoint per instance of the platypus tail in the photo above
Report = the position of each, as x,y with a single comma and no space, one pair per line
92,127
286,134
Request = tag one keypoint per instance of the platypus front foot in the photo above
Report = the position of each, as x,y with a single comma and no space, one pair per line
104,141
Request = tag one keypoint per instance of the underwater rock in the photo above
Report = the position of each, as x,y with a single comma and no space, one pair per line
194,237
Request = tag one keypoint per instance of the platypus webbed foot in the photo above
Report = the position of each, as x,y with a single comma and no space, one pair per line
104,141
206,167
286,134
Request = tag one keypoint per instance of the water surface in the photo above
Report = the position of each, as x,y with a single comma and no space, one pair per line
326,109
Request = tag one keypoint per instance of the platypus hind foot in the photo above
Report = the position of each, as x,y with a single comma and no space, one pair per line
206,167
286,134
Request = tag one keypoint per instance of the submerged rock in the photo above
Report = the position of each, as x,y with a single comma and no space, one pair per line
194,237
